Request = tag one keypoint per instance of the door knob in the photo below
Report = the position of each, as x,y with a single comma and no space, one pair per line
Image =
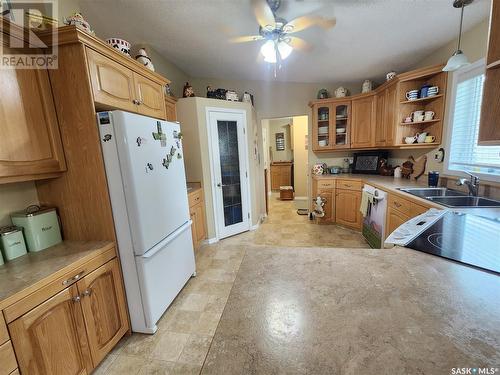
219,185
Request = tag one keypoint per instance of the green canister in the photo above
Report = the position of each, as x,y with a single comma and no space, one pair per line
12,242
40,226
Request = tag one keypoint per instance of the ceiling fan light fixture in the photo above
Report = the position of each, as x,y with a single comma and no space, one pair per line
268,50
284,49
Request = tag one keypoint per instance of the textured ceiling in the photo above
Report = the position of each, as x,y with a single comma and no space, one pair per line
371,36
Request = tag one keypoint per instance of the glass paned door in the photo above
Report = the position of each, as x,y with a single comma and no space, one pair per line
230,171
228,159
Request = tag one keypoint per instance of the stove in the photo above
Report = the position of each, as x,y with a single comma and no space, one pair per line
464,238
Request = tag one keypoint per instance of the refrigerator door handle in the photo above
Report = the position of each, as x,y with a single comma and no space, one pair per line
160,245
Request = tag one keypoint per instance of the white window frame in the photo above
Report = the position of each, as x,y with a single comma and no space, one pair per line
479,64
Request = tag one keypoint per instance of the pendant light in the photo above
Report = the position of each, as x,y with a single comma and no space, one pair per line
458,59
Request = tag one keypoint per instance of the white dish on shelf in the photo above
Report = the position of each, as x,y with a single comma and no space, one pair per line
323,130
340,130
323,142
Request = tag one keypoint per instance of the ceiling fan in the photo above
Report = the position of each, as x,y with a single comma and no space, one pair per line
276,31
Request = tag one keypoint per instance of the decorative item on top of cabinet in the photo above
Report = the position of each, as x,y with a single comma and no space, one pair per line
489,130
187,91
120,45
341,92
30,142
367,86
144,59
77,19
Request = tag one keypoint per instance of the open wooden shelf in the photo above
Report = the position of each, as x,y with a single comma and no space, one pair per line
420,122
418,145
427,98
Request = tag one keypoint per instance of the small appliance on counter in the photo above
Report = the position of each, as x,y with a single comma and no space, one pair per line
41,226
368,162
12,242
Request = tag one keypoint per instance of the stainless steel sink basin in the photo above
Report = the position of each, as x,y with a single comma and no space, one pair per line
433,192
465,201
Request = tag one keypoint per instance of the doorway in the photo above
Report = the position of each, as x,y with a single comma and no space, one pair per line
229,169
285,142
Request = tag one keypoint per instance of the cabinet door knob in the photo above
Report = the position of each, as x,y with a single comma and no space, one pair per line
136,101
74,278
87,292
76,299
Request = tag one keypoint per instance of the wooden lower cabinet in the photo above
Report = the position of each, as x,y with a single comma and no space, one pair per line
281,174
72,331
347,208
329,207
395,219
51,338
8,363
197,213
103,303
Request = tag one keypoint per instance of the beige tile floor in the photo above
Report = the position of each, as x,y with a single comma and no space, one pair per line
186,330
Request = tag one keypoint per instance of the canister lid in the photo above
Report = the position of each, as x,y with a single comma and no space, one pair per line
9,229
33,210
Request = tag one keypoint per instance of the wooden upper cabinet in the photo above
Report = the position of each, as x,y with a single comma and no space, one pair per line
150,96
112,83
104,311
363,122
390,113
51,338
170,109
380,122
30,143
489,130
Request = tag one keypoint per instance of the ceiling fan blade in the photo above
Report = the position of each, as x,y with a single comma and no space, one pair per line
264,14
299,44
244,39
301,23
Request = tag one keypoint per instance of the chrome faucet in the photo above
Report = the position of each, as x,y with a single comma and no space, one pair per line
472,183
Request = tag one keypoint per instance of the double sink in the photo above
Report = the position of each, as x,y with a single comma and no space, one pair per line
451,198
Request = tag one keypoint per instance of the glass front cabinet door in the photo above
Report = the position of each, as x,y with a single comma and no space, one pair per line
342,125
322,127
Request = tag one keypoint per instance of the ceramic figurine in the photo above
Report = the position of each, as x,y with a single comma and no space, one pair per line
188,91
231,95
210,92
340,92
144,59
77,20
322,94
168,90
318,207
247,98
367,86
407,169
390,75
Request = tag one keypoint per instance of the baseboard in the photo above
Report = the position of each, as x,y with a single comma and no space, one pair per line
255,227
210,241
269,193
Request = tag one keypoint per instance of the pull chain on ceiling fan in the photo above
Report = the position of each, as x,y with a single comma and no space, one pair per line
276,31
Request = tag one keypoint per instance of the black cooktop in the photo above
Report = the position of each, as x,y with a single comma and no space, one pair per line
464,238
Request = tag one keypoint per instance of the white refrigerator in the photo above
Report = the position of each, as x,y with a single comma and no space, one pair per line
147,184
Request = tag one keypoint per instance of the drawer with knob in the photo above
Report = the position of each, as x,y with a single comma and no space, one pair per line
27,303
400,204
349,185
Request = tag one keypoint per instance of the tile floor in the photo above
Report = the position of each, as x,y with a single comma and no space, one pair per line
186,330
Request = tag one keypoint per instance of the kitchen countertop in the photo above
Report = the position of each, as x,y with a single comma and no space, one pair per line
31,271
391,185
356,311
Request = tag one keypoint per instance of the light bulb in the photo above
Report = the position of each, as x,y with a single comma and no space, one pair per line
269,52
284,49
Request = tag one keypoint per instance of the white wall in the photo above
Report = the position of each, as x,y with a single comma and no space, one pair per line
300,156
281,125
15,197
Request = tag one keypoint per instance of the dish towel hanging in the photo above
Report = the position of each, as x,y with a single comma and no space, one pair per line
366,201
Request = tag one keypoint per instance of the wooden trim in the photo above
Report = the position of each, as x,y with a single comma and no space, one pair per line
421,73
4,334
7,359
72,34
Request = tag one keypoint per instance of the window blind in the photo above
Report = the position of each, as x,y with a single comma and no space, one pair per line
465,153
